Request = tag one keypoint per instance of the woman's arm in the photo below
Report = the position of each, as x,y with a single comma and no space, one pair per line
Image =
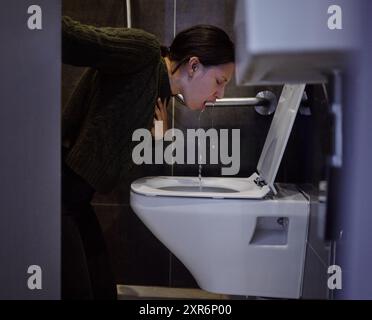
112,50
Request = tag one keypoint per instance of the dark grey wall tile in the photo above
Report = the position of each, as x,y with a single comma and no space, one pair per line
97,12
137,256
154,16
180,277
216,12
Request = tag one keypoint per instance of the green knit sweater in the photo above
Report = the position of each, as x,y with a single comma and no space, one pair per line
115,96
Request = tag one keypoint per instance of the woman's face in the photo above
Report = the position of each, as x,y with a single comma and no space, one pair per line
205,84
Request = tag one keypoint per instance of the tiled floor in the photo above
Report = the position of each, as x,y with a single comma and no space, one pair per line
143,292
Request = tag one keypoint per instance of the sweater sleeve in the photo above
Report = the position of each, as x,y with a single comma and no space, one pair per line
111,50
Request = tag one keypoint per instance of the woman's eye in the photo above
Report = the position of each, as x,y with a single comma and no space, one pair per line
218,81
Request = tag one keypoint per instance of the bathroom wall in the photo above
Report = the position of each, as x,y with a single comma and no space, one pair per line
137,256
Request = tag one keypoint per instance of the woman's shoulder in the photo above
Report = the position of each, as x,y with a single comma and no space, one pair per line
114,36
105,48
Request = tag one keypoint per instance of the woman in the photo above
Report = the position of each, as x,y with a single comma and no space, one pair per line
129,75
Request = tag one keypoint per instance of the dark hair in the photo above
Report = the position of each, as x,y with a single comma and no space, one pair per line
209,43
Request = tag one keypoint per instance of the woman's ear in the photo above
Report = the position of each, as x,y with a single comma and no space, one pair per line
193,66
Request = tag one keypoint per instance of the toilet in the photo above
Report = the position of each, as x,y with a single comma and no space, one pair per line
243,236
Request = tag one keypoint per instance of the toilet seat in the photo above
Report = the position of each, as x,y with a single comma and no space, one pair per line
209,187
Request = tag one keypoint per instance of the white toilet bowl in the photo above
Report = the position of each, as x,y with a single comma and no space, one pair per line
230,237
230,245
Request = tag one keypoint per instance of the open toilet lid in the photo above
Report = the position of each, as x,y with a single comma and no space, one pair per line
280,129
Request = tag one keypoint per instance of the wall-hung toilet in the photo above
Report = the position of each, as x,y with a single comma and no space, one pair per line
243,236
